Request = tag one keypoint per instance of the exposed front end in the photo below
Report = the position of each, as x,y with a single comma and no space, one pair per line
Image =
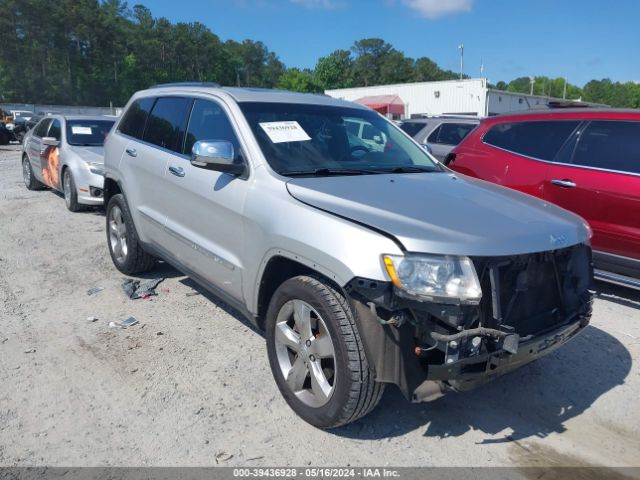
516,309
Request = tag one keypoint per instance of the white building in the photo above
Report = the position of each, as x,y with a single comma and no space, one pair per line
451,97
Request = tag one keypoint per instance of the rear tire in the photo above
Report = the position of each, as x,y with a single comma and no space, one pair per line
326,381
27,175
70,192
127,253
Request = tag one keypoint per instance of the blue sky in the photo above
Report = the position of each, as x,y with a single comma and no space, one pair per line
579,39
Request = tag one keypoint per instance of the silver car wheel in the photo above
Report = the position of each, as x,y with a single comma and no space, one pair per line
305,353
66,187
118,234
26,172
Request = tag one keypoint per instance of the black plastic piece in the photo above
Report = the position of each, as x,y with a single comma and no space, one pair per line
187,84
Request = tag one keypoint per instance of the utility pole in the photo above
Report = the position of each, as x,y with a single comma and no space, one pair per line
532,80
564,90
461,47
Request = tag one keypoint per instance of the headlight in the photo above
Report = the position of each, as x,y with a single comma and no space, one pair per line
97,168
435,277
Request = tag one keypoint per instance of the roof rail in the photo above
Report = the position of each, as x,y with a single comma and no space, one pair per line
187,84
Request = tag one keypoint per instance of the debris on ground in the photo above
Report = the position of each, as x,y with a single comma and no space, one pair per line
94,290
192,294
129,322
135,289
3,339
30,350
92,319
223,457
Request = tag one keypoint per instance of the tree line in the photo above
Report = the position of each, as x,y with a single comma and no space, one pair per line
93,52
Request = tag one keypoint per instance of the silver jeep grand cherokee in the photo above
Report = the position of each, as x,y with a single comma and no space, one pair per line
364,267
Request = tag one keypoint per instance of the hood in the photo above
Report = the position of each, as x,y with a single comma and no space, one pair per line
89,154
445,213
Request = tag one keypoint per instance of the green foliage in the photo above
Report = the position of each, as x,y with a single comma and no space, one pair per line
297,80
335,70
93,52
611,93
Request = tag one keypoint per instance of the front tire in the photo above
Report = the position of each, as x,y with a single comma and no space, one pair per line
126,251
316,354
70,192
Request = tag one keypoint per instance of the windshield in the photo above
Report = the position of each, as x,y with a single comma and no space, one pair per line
88,133
299,139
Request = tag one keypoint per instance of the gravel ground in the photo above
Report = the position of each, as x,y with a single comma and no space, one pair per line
190,385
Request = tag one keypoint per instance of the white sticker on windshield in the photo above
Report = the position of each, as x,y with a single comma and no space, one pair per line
280,132
77,130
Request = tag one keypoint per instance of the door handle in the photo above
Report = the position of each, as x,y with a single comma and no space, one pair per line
177,171
131,152
564,183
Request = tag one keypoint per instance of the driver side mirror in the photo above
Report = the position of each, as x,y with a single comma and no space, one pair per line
216,155
427,148
50,141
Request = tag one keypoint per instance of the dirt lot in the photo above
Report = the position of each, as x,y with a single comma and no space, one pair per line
190,385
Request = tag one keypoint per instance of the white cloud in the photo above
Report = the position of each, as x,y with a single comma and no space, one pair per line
438,8
326,4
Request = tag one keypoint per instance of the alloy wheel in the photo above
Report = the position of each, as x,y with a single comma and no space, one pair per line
305,352
118,234
66,186
26,172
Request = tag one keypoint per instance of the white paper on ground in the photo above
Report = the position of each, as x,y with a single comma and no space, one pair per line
280,132
77,130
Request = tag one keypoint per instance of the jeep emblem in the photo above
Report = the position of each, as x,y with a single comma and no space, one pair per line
558,241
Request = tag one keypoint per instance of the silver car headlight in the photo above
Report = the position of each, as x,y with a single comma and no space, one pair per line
435,277
97,168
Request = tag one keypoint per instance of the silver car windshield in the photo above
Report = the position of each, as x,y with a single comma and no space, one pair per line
303,139
88,133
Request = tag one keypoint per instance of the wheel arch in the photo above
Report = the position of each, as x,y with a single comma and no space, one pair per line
111,187
280,267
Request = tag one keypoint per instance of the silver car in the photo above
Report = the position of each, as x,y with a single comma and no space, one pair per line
440,134
66,153
364,268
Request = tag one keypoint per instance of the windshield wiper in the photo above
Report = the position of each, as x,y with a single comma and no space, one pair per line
409,169
325,172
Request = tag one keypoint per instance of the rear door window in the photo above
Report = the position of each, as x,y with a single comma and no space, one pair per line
412,128
134,119
537,139
450,133
167,123
612,145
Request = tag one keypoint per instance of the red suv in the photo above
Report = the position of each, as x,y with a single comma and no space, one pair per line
585,160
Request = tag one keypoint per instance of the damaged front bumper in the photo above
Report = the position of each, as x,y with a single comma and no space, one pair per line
469,373
531,306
